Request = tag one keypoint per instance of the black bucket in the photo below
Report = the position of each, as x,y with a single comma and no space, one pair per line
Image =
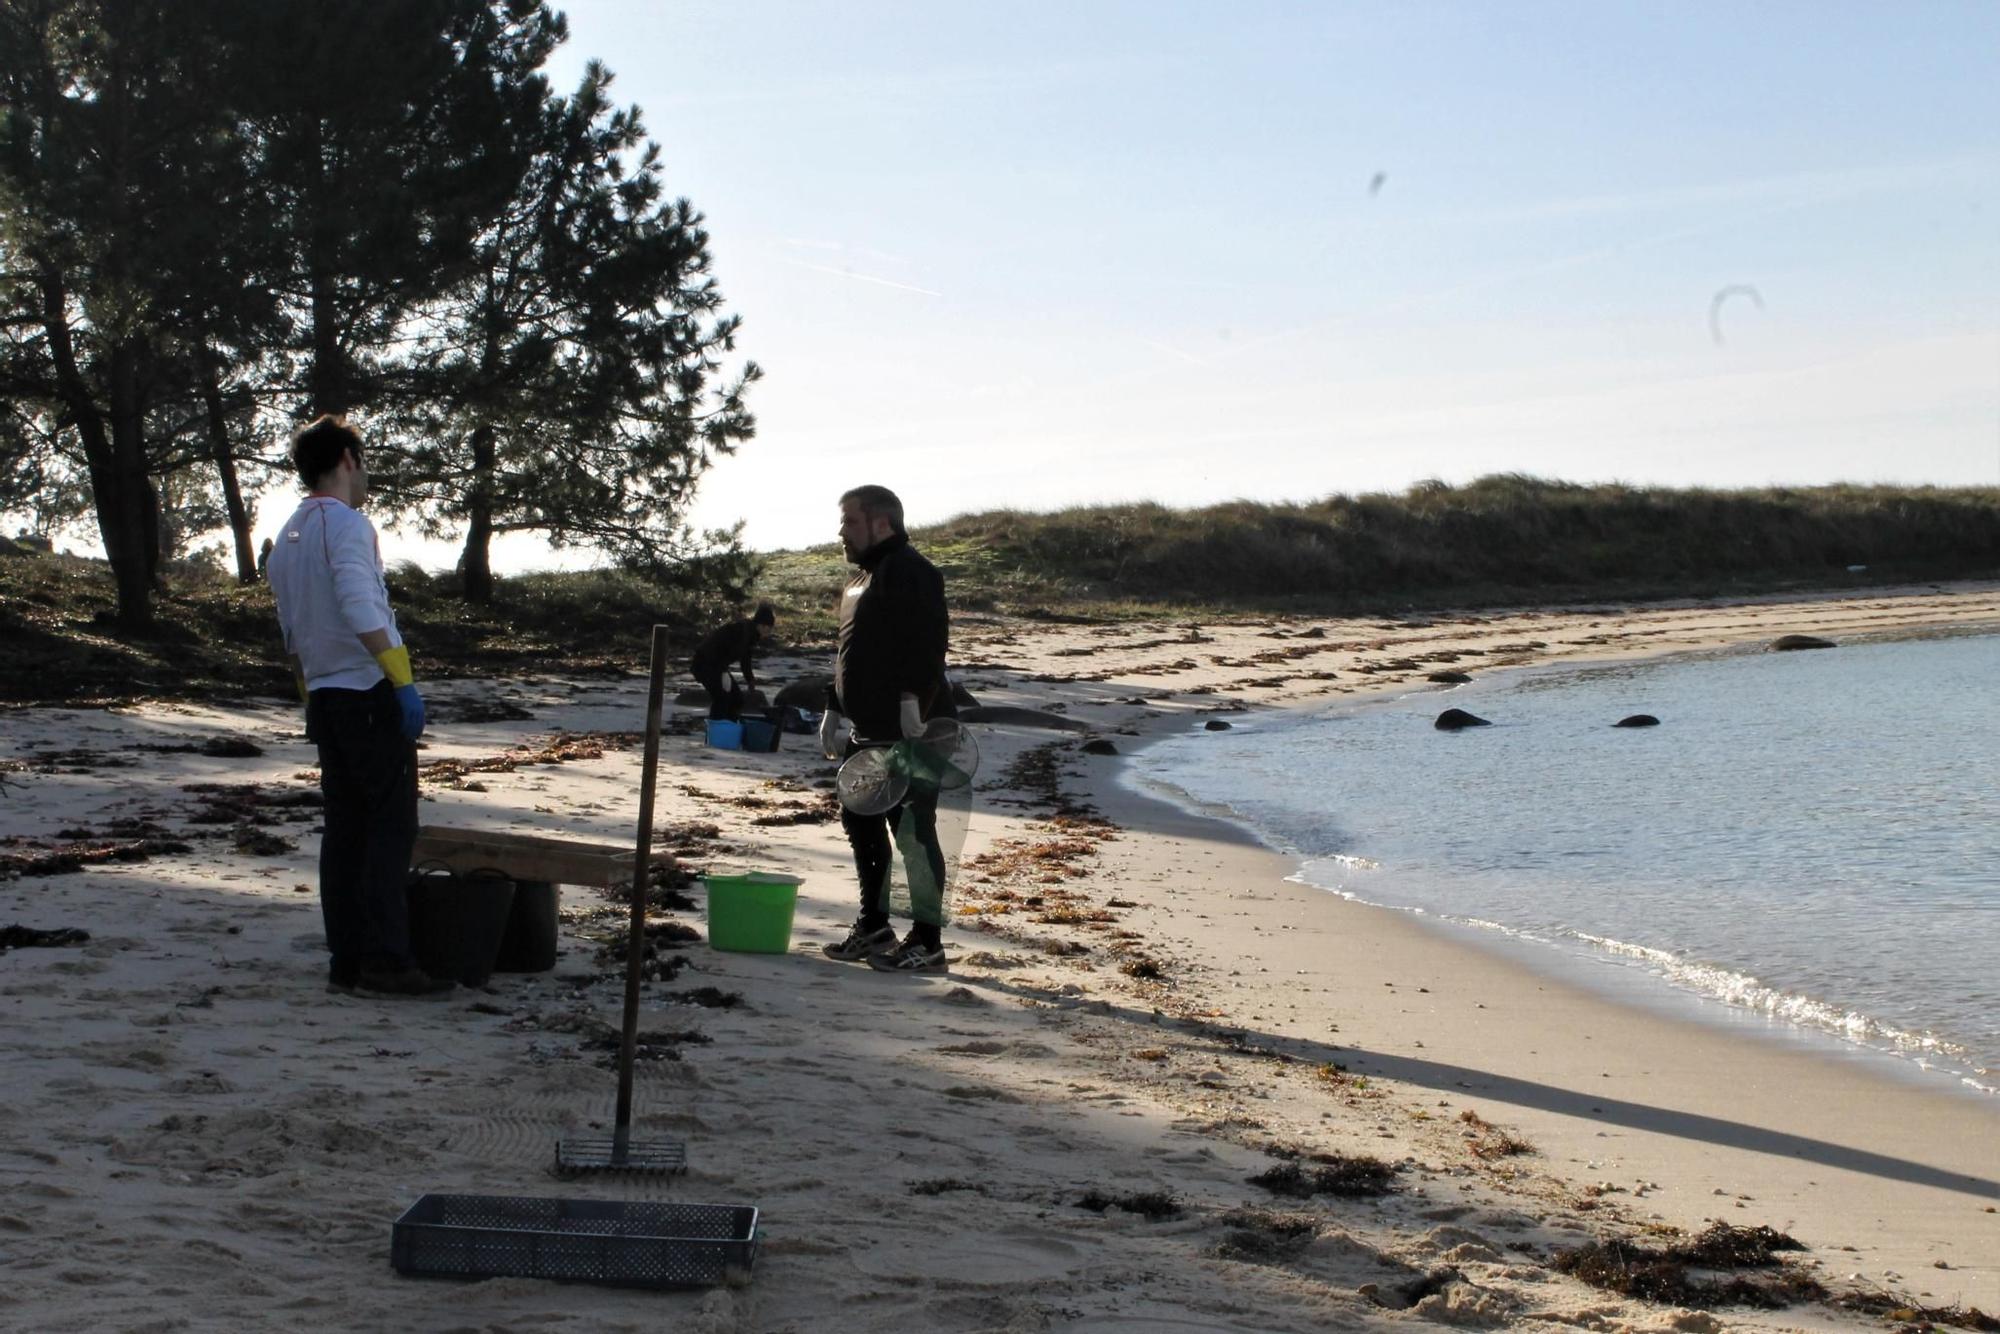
529,943
457,923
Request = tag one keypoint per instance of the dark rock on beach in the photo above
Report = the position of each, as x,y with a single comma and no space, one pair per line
21,937
1216,725
1448,678
1098,745
1790,643
1638,720
1452,720
808,693
231,748
1019,717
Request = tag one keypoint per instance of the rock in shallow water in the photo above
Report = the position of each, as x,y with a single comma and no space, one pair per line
1452,720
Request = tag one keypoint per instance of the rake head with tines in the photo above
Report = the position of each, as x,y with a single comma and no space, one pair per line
604,1153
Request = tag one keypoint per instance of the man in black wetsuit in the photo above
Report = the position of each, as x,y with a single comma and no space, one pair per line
888,680
735,642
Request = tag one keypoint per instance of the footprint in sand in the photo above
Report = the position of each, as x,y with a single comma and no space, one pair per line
1004,1259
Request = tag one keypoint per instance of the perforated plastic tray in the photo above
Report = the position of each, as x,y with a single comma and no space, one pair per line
643,1244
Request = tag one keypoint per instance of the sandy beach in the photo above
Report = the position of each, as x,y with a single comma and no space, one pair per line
1142,1015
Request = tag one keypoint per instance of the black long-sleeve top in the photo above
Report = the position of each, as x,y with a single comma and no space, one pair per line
894,631
735,642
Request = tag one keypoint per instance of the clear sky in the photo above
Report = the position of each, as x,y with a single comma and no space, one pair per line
1038,254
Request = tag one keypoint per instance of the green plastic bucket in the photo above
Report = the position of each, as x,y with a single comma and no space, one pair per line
751,913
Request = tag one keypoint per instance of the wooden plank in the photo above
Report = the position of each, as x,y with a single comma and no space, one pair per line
528,856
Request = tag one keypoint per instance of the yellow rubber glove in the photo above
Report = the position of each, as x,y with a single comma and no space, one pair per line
395,663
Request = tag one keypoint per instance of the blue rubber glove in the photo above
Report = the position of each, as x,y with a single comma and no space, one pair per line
412,705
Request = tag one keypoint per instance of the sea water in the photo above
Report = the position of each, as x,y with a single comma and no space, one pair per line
1810,838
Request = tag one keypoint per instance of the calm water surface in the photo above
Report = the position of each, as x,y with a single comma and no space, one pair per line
1811,837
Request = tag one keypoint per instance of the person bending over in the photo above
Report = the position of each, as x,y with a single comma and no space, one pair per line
736,642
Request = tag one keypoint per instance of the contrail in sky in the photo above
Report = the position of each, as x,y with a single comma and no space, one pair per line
864,277
1173,351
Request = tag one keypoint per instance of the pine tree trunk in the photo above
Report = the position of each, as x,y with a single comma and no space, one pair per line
225,464
476,565
115,455
326,381
130,526
329,393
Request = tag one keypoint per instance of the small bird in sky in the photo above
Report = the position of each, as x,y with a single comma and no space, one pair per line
1723,294
1375,185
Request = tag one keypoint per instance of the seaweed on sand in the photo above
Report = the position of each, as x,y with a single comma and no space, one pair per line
1490,1141
1331,1174
67,859
1670,1274
1152,1205
941,1185
647,1044
1915,1318
709,998
1261,1237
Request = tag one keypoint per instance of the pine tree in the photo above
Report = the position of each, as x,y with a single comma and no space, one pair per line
110,132
387,134
573,384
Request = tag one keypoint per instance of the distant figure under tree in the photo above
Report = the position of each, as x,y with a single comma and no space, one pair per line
733,643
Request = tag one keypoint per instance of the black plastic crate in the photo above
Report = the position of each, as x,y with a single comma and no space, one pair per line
641,1244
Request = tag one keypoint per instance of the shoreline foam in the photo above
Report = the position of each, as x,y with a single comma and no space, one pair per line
1687,986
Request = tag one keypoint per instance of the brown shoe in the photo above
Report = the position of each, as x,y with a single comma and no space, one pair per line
410,981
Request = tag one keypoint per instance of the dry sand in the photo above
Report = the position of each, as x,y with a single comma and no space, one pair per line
1140,1008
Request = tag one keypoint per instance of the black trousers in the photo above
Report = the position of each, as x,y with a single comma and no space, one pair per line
873,839
721,703
368,773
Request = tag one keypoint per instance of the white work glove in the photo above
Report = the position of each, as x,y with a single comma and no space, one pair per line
912,719
829,734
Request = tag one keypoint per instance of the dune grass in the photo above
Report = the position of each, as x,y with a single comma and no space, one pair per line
1502,540
1505,538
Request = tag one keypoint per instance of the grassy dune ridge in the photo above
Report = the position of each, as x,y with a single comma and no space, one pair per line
1503,537
1501,540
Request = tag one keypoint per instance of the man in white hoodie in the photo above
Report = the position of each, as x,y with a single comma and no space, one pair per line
363,711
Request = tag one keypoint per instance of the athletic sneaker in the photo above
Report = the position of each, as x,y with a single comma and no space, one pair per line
912,956
861,942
